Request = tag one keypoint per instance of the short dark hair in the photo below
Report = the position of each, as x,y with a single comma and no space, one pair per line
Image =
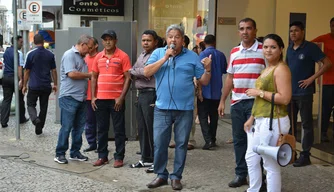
17,38
186,41
247,19
38,39
210,39
278,40
151,32
160,42
298,24
201,45
332,19
96,42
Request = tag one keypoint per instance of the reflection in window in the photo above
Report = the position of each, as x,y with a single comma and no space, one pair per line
191,14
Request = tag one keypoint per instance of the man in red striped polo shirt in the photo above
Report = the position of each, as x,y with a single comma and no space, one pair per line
244,67
109,85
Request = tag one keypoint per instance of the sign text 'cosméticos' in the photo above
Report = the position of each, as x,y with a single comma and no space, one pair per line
94,7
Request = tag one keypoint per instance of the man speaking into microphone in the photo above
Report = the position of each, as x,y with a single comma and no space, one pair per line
174,68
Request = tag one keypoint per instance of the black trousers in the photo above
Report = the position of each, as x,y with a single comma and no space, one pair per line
8,90
105,110
304,105
145,113
32,97
327,107
208,107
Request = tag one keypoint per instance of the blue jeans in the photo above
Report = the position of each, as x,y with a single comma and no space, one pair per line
72,119
240,113
162,129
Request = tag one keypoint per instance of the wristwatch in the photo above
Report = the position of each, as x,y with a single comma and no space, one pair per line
261,94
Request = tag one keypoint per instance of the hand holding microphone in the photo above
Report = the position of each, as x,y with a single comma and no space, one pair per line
171,51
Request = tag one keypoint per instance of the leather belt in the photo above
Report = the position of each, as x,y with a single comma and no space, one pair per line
142,90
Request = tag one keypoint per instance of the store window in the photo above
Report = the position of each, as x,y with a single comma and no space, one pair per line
191,14
86,21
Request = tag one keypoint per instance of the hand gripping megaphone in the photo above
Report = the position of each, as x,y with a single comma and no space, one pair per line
282,154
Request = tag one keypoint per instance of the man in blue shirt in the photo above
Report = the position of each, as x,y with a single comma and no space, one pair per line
174,68
301,58
39,63
211,93
8,84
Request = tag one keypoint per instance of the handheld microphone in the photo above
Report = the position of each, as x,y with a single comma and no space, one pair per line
172,46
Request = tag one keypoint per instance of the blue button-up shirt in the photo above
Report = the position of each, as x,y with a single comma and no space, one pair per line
174,79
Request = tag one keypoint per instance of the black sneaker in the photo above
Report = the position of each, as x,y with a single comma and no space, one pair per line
4,125
61,159
79,157
303,160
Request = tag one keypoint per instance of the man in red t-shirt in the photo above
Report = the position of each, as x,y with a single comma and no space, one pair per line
327,81
109,85
90,127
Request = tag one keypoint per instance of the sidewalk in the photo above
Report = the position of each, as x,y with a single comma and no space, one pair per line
204,171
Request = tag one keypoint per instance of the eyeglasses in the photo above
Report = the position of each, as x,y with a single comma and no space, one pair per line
88,46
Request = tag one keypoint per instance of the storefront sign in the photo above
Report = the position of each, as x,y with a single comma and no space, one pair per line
227,20
94,7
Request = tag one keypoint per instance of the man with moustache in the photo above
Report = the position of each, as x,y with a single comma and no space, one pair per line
174,68
244,67
146,100
110,83
73,90
301,58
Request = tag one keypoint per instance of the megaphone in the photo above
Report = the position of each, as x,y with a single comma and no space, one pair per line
282,154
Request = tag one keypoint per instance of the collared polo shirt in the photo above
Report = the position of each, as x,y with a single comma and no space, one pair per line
246,66
75,88
40,62
302,65
8,60
218,68
174,79
111,71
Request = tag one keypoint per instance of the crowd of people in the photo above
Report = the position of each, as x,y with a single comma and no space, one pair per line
175,85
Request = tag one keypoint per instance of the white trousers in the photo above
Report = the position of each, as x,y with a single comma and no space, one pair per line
263,135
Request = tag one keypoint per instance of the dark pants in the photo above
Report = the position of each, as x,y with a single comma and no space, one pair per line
145,112
303,104
43,96
208,107
240,113
105,109
90,128
8,90
327,107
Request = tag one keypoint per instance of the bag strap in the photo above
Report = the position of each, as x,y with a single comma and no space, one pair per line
272,112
